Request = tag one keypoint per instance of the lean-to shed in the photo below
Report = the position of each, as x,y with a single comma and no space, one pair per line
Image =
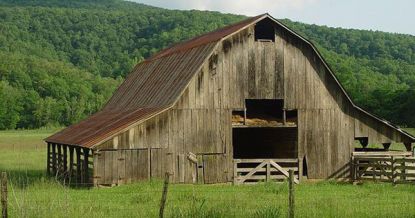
253,95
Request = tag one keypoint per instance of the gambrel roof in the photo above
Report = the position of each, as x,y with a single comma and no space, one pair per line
155,84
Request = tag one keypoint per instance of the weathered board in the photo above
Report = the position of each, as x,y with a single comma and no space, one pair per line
120,166
241,68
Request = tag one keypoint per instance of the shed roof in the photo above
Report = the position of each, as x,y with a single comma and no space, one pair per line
156,84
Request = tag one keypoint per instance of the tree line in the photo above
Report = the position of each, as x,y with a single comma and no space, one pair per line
62,59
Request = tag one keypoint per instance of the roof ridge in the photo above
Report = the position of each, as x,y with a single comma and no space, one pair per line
209,37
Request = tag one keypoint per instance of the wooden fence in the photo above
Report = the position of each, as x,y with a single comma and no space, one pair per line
256,170
395,169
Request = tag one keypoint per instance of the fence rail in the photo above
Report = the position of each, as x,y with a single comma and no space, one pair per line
255,170
395,169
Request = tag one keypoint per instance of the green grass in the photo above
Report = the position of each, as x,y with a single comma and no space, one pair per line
31,194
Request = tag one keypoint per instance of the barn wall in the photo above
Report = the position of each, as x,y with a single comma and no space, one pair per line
376,132
241,68
173,134
325,117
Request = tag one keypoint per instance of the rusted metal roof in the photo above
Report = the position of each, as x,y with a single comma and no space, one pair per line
152,87
209,37
101,125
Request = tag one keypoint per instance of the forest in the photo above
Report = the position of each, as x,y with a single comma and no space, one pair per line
60,60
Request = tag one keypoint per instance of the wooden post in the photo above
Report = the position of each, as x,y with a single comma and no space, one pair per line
393,170
235,172
352,170
291,194
71,161
403,169
48,160
65,159
284,117
386,146
408,146
59,165
4,195
164,195
78,165
54,159
85,165
244,116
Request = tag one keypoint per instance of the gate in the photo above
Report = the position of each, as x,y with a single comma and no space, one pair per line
389,168
256,170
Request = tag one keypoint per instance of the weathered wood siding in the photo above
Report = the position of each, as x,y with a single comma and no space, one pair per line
376,132
325,117
241,68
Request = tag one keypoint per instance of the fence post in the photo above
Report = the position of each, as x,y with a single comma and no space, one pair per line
291,195
352,170
403,169
393,170
164,195
4,194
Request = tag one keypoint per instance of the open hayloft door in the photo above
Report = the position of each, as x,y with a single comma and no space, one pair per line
264,138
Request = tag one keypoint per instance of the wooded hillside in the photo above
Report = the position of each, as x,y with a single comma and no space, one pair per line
61,60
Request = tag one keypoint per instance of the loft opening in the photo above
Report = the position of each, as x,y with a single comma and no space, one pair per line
264,113
264,130
265,31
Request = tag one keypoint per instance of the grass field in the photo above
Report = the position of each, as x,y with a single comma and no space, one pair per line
31,194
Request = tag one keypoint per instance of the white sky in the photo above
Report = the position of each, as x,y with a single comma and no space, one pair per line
385,15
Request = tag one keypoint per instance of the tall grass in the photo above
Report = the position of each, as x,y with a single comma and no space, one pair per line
32,194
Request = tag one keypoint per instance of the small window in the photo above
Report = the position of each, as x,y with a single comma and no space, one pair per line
264,31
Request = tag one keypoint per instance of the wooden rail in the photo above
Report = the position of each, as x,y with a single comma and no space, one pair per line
395,169
256,170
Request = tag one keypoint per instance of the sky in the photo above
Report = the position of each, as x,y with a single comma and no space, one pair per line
395,16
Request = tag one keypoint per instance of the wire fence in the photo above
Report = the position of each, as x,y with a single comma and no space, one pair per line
49,198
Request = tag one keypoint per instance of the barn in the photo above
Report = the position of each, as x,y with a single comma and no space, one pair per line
254,95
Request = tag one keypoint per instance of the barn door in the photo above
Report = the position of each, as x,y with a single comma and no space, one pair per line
157,162
113,167
215,168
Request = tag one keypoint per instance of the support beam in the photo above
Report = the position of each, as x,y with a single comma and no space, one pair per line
245,116
48,159
59,160
386,146
85,166
65,160
284,117
54,159
364,141
78,165
408,146
71,161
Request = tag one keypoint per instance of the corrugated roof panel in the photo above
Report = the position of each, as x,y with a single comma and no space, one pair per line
208,38
152,87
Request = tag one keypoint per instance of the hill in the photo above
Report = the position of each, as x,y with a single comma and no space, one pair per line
61,60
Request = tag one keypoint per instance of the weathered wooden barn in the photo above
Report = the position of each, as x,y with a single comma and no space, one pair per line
251,96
